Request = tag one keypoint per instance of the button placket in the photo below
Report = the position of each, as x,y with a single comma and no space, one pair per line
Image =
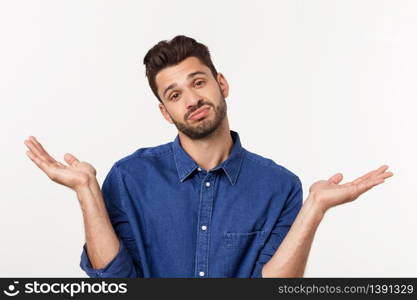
205,209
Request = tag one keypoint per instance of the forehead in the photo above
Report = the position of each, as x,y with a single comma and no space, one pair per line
179,72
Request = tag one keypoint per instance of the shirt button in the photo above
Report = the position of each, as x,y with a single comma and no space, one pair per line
207,184
204,227
199,169
201,273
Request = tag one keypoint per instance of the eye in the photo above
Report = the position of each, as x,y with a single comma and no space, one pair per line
199,82
174,96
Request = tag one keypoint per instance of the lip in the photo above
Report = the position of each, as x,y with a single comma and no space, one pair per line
199,113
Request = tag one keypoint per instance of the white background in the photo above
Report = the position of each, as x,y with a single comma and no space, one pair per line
318,86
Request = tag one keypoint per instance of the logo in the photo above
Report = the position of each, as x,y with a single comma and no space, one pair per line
11,291
70,288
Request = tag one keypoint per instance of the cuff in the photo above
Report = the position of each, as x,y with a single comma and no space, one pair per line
120,266
257,272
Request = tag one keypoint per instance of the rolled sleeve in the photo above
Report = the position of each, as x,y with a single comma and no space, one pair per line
119,267
289,213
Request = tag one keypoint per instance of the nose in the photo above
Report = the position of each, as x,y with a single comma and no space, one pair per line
192,99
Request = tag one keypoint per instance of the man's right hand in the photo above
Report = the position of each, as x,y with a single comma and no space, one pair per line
75,176
101,239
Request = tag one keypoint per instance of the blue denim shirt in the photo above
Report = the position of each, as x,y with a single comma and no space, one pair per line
175,219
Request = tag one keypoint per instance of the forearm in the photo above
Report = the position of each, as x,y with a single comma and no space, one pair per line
291,257
102,242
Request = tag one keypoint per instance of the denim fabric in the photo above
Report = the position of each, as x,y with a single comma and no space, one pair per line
175,219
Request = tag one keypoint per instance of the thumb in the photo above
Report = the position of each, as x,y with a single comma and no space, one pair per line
71,159
336,178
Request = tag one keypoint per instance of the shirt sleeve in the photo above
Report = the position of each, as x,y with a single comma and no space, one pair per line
290,211
126,263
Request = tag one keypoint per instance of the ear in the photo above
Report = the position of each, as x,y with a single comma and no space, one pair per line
165,113
224,86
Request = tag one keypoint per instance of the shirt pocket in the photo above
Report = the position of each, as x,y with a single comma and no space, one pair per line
242,240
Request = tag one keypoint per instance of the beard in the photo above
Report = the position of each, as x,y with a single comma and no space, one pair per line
206,127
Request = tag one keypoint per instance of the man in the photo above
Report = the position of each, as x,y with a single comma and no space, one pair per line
202,205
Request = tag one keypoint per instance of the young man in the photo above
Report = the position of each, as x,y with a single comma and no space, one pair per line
202,205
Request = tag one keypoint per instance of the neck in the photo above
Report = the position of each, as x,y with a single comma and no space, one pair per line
212,150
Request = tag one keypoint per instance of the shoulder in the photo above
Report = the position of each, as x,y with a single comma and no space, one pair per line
269,167
144,156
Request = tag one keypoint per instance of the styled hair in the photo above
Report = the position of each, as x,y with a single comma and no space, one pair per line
169,53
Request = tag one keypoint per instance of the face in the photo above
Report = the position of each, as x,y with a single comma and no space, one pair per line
192,98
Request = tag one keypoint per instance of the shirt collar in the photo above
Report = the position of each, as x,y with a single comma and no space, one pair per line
231,166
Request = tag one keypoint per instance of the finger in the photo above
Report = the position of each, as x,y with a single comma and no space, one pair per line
385,175
336,178
39,162
33,141
35,151
41,150
370,176
71,159
382,176
381,169
366,185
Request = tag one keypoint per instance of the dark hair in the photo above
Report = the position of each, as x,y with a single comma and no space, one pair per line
169,53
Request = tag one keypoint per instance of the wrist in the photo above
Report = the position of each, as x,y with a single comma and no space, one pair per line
86,183
82,188
89,191
316,206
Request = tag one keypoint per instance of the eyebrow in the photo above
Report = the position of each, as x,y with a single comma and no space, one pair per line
173,85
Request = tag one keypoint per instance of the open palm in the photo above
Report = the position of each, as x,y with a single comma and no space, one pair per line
330,192
74,175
